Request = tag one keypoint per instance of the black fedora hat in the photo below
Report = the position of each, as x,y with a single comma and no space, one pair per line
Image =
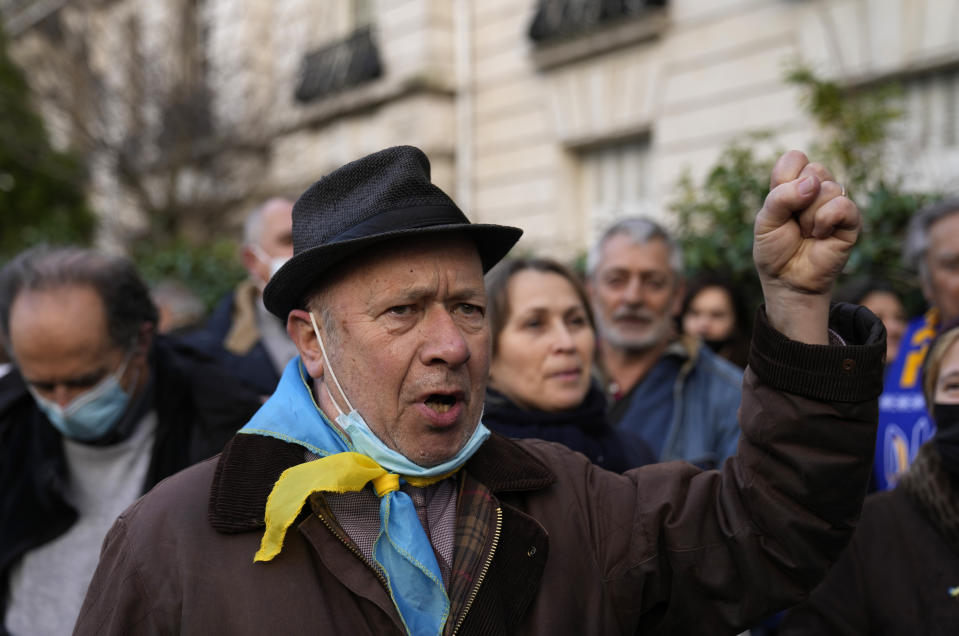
383,196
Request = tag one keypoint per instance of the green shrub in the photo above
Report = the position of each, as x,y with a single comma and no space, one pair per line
42,197
209,270
715,216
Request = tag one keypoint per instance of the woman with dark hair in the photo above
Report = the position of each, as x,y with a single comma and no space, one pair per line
900,573
541,383
715,311
882,299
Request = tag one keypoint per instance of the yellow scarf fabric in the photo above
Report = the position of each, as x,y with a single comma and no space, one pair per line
342,472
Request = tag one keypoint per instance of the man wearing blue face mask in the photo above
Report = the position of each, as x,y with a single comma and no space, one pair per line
241,334
97,411
366,496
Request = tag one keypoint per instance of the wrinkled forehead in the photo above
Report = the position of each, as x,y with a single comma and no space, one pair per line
713,297
59,323
622,251
447,259
277,223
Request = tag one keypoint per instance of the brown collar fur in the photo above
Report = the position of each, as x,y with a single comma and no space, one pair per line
250,465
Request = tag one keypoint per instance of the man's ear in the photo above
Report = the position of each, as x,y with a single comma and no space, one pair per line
249,259
300,328
139,363
144,341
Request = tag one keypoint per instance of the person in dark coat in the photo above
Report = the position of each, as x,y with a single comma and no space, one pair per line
666,387
97,411
900,573
541,382
240,334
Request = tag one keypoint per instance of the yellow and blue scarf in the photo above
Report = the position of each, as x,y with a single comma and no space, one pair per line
402,548
904,421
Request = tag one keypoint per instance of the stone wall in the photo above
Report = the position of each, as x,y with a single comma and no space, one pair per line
705,73
544,134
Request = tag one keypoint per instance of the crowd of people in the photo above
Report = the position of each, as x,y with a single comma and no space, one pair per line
394,426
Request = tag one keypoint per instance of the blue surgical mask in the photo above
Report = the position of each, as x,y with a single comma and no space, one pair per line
367,443
93,413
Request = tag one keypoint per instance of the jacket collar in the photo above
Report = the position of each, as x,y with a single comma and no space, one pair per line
505,466
250,465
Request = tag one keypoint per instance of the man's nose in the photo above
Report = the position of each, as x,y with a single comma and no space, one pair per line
62,395
445,342
696,325
634,292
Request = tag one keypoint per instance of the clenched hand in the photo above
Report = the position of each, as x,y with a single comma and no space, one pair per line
802,239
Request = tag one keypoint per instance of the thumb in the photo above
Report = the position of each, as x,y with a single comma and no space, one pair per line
785,199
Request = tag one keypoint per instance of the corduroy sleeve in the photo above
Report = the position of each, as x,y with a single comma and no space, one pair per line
830,373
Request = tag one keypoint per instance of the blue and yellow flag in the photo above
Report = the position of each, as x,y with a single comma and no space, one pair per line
904,422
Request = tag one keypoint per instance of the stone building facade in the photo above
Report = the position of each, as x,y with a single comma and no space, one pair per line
553,115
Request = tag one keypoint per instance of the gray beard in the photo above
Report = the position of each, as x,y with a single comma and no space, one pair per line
658,332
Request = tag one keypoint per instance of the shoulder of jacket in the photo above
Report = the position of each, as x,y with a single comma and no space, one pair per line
505,464
12,390
177,504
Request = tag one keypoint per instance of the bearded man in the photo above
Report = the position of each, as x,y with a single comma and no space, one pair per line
667,388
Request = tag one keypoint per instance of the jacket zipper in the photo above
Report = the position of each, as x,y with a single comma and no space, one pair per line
354,550
479,581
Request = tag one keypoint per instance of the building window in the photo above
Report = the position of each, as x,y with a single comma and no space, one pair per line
347,57
615,182
555,19
932,109
925,145
339,66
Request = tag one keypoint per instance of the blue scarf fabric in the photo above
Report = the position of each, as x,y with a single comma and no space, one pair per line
402,549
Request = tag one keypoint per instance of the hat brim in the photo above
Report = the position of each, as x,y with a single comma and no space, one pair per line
290,284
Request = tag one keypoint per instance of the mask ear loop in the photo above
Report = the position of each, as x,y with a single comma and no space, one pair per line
126,362
259,253
122,370
329,368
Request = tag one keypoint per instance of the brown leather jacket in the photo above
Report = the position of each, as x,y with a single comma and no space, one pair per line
566,548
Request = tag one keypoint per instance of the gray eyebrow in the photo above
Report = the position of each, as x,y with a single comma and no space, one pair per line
418,292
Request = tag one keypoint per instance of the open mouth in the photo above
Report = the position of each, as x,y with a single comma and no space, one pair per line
440,403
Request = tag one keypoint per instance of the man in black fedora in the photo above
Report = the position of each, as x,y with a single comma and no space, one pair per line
366,496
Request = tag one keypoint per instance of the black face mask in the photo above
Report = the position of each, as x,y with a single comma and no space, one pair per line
946,438
717,345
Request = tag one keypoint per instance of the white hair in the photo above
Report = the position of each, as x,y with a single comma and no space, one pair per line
641,230
917,234
253,225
